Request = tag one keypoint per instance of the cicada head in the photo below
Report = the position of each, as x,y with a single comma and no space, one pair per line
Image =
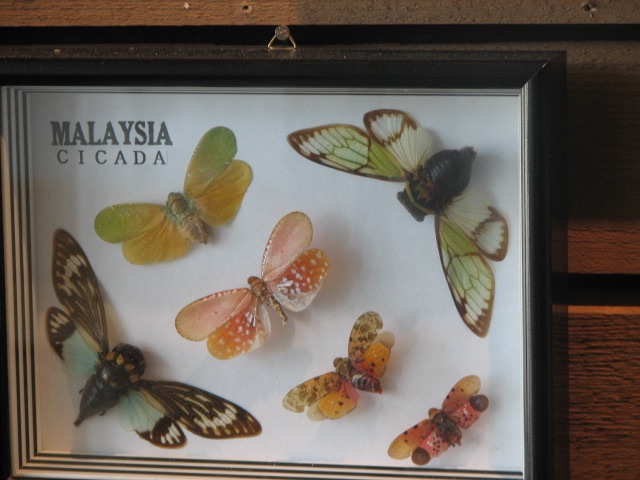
342,366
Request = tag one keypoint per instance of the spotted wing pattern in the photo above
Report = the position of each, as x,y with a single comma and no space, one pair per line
237,321
431,437
232,321
299,284
369,350
243,331
333,395
311,391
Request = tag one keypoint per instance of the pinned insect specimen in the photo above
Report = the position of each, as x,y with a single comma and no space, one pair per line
395,148
155,410
334,394
431,437
214,187
237,321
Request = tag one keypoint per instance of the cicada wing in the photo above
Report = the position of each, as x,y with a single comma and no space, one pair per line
160,242
492,236
462,391
469,412
118,223
347,148
396,131
149,420
234,322
244,331
291,235
79,356
211,157
363,332
370,349
298,285
201,412
77,289
463,404
145,231
311,391
220,201
375,358
468,275
201,318
408,441
486,227
335,405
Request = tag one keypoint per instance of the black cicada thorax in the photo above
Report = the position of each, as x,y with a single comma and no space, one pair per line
116,373
432,186
449,429
359,379
180,211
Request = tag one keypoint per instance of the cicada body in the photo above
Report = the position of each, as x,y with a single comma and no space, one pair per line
468,230
237,321
155,410
334,394
214,187
432,437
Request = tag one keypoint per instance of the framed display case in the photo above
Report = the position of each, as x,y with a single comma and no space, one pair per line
429,188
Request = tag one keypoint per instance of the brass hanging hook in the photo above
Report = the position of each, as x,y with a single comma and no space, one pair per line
282,34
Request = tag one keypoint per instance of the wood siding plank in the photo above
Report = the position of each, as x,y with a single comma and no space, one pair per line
604,396
314,12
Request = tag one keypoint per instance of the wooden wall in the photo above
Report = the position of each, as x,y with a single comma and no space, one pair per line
603,137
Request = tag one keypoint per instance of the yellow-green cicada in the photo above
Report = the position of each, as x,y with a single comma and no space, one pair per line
214,187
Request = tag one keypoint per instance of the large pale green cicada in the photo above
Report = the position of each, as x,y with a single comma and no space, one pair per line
468,230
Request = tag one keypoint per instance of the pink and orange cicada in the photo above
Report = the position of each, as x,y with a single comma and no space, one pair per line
431,437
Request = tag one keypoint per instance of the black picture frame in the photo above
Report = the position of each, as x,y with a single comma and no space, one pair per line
539,76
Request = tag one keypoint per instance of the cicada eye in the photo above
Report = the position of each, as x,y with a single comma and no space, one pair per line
420,456
479,402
